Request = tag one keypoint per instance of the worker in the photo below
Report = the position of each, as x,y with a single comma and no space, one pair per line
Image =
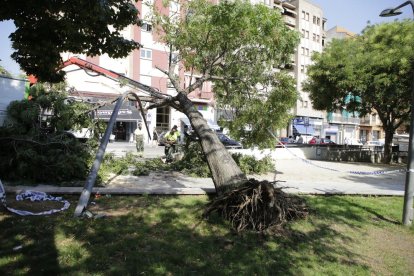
170,142
139,139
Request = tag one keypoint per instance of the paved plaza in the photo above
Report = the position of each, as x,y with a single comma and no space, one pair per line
295,175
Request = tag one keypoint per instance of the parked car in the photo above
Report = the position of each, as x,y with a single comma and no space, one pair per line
306,138
373,144
228,142
353,142
284,141
161,139
82,135
321,141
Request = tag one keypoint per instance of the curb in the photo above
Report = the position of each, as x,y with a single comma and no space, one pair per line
112,191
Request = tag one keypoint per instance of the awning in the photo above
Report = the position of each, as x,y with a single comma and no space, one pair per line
331,129
210,123
126,113
301,129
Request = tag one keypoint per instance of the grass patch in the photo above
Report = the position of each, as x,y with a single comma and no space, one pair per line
157,235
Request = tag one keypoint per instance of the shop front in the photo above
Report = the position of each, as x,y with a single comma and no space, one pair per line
126,121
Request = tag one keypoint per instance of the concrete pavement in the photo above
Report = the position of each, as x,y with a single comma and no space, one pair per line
295,175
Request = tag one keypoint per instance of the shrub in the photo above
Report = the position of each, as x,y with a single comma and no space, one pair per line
250,165
195,164
36,148
57,159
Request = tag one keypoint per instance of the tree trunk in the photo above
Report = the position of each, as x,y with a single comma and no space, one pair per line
389,134
225,172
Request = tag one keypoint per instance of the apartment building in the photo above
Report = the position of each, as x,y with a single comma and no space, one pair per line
338,32
141,65
310,23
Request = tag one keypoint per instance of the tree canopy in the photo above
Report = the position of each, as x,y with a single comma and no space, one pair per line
35,147
240,48
45,29
376,68
4,72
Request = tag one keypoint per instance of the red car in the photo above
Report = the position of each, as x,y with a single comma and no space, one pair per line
284,141
321,141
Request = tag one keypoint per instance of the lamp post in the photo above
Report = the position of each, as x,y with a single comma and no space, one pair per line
409,179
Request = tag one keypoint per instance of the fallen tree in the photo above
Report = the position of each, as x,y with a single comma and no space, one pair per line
239,48
242,49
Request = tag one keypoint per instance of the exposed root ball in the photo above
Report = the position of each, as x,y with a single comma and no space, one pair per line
257,206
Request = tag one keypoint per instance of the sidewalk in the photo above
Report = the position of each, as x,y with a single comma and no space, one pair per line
294,175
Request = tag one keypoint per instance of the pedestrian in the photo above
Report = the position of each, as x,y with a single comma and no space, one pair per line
300,139
154,137
171,140
139,139
346,141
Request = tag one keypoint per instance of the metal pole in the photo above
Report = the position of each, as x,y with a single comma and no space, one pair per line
87,190
409,180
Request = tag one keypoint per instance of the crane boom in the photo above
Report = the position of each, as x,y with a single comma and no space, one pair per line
114,76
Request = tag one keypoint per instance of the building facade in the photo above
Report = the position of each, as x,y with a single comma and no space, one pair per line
141,65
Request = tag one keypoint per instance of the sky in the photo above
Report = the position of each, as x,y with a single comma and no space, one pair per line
352,15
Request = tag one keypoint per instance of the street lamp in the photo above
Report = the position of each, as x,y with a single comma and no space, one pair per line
409,179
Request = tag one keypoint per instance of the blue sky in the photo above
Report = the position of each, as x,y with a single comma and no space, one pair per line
352,15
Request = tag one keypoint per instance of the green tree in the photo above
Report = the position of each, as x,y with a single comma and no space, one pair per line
4,72
240,48
375,67
45,29
35,147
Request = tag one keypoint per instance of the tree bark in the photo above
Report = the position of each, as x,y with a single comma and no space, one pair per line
225,172
389,134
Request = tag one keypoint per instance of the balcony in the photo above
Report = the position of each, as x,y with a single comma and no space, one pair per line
289,20
289,7
339,119
365,121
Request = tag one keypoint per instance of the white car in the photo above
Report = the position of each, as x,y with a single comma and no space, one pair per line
373,144
354,142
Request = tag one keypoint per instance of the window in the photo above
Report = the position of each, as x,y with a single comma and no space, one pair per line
146,27
314,19
307,52
303,15
174,57
314,37
163,118
318,21
174,7
307,35
307,16
318,38
305,104
169,84
146,54
374,119
302,68
303,50
303,33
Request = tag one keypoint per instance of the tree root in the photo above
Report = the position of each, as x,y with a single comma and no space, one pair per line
257,206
